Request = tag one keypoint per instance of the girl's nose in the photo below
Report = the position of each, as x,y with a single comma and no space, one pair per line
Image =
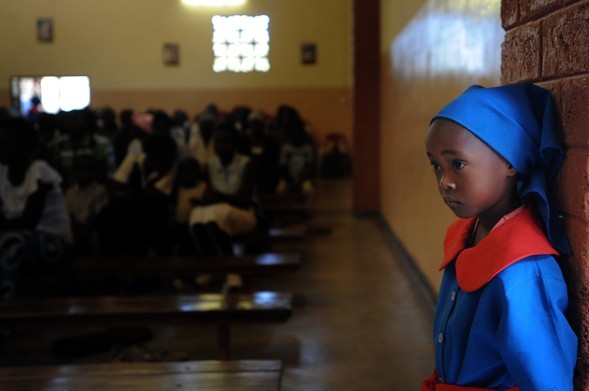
446,182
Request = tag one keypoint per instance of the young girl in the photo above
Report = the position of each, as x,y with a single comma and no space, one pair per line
501,315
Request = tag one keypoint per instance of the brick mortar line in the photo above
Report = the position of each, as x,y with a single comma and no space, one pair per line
543,17
571,77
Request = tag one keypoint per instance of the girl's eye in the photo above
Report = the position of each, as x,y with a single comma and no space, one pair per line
458,165
435,166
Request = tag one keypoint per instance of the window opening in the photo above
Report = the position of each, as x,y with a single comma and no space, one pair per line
241,43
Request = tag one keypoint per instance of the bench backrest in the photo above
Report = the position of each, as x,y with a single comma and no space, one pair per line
258,307
160,266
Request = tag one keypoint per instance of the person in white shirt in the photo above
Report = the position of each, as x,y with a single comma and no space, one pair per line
227,208
34,223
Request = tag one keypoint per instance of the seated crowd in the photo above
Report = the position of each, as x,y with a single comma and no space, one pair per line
89,182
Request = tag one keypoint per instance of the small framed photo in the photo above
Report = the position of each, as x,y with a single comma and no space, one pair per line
45,30
171,54
308,53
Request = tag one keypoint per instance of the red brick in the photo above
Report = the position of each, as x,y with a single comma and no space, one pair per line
574,266
520,54
534,9
575,269
572,184
578,262
509,13
573,104
556,87
565,49
565,62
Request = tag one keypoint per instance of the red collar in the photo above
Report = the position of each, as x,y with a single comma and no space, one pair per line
520,237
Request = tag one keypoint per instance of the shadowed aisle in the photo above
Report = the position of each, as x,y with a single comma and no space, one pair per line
361,321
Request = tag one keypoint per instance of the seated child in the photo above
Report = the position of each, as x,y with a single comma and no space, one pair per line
77,137
200,143
227,207
140,210
85,201
264,153
34,223
297,163
189,189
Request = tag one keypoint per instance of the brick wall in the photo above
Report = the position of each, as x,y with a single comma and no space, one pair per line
547,42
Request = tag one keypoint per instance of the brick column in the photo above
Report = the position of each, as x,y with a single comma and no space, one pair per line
547,43
366,120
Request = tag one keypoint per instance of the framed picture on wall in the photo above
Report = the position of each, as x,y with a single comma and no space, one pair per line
171,54
308,53
45,30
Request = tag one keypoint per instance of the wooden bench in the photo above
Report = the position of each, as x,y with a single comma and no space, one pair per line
283,199
259,375
264,240
284,209
181,266
222,310
112,274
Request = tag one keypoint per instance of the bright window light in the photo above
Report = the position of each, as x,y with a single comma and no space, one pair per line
241,43
451,37
57,93
74,92
64,93
50,93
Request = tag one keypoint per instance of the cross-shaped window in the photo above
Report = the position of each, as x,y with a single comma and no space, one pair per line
241,43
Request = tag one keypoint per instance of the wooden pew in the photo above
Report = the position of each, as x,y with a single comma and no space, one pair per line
284,209
180,266
223,310
114,274
264,241
259,375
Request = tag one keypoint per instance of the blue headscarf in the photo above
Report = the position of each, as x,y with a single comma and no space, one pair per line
517,122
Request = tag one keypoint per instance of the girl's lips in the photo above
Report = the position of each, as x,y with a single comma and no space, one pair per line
451,201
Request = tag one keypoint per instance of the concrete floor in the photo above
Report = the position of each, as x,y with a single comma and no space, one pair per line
361,319
363,322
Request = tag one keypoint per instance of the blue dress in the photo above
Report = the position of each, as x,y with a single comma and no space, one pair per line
500,319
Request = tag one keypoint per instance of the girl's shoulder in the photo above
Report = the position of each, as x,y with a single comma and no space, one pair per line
524,279
533,267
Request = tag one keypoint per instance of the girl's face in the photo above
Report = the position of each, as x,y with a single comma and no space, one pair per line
472,179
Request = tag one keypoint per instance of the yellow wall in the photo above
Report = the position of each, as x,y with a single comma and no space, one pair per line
420,75
118,43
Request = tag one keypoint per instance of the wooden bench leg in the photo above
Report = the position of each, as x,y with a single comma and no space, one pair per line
223,342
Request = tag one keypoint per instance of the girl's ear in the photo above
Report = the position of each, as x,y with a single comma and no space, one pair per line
512,171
